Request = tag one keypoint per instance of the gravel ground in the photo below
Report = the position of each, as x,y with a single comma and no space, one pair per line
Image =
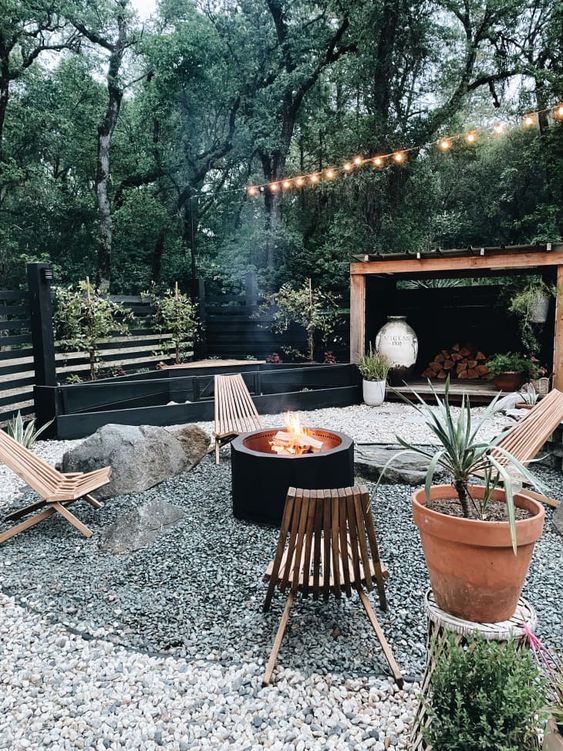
165,647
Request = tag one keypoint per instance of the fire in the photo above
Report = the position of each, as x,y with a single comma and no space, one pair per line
295,440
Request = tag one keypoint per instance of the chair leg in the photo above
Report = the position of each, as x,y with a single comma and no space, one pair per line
24,511
93,501
395,669
31,522
217,451
71,518
278,640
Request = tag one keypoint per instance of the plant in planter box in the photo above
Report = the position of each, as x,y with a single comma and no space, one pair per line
485,696
477,539
374,369
509,370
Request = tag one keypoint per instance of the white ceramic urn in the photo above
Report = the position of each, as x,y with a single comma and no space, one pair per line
397,342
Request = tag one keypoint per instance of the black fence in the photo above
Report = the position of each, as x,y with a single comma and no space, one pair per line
17,373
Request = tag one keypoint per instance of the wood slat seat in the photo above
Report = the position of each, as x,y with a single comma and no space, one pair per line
527,438
327,543
235,412
56,489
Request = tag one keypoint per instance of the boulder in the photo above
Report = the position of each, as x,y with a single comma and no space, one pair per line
408,469
140,456
558,519
139,528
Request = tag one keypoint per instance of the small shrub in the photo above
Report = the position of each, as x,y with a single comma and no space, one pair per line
24,431
485,697
509,362
373,366
175,314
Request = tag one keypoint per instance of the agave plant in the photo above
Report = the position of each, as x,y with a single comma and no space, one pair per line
464,457
24,431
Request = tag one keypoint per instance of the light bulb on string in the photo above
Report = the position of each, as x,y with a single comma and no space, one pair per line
286,184
471,137
399,157
252,190
330,173
347,167
529,120
314,178
358,161
445,144
274,187
558,112
300,181
498,129
377,161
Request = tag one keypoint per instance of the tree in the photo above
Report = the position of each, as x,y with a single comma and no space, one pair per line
175,314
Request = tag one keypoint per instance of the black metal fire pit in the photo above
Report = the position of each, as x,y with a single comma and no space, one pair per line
260,478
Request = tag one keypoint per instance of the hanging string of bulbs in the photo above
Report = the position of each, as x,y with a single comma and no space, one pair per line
398,157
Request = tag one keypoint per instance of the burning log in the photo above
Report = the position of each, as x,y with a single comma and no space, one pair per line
295,439
461,361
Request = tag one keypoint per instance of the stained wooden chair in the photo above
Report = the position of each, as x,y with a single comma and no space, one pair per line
57,490
528,436
235,412
332,549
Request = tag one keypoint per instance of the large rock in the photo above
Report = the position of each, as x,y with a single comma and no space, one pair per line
139,528
407,469
140,457
558,519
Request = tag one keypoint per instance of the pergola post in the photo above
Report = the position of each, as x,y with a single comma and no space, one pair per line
558,333
357,316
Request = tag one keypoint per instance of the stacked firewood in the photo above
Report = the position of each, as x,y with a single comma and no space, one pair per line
460,361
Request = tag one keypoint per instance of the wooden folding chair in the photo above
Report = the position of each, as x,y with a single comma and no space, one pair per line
57,490
526,439
235,412
332,548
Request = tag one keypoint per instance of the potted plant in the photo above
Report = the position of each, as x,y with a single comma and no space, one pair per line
374,369
531,304
509,370
477,539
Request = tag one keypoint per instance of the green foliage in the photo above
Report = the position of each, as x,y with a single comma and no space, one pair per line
24,431
373,366
509,362
84,317
316,311
175,314
463,456
524,304
485,697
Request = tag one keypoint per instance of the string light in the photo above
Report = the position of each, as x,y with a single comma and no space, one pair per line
398,157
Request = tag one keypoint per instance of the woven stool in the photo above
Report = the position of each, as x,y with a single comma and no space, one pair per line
440,625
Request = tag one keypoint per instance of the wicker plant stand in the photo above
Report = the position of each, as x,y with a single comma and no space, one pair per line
440,625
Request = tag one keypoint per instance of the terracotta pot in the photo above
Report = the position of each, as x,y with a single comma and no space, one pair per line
509,381
473,570
553,740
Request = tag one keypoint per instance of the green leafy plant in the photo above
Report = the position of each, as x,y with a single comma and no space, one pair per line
316,311
373,366
510,362
175,314
84,317
464,457
485,696
524,304
529,394
24,431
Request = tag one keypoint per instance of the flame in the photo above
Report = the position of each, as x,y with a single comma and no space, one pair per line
292,424
295,439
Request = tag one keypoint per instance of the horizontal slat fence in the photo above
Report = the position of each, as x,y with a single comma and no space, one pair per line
141,348
17,374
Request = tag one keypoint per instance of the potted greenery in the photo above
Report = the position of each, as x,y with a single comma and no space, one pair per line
531,304
477,539
374,369
509,370
484,695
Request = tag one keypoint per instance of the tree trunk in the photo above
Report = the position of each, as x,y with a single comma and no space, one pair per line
158,252
4,96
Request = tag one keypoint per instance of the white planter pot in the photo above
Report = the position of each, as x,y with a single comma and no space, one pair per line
539,309
374,392
398,343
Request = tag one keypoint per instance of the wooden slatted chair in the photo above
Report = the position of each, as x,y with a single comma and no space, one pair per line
526,439
332,548
57,490
235,412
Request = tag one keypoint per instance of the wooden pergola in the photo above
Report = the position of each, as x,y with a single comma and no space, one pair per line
533,259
